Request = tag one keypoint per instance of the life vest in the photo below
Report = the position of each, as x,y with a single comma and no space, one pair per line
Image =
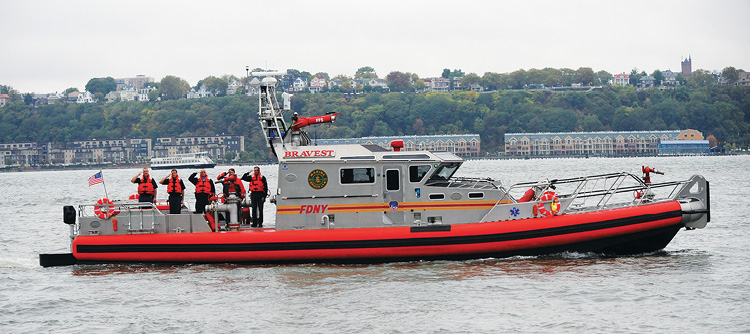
234,185
174,186
256,184
146,186
203,186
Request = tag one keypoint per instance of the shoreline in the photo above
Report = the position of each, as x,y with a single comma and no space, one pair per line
12,169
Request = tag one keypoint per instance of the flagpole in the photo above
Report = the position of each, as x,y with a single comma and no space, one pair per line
103,184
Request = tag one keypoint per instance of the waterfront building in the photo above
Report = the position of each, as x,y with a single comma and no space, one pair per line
461,145
115,151
20,154
605,143
107,151
123,150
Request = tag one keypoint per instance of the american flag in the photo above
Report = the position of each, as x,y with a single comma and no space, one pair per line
96,179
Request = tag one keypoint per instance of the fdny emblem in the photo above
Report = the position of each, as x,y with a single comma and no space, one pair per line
393,205
317,179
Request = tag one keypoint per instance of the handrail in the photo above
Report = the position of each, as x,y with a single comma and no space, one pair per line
602,186
129,208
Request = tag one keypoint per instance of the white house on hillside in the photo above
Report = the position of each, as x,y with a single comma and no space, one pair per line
85,97
200,93
232,87
299,84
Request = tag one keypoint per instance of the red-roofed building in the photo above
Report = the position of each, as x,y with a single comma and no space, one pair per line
621,79
4,98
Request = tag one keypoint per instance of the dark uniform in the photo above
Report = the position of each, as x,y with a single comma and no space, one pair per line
258,189
204,189
146,189
176,191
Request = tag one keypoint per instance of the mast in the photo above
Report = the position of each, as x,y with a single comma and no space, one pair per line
279,136
270,116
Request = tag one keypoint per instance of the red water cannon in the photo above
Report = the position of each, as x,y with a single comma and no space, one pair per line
397,145
302,122
646,173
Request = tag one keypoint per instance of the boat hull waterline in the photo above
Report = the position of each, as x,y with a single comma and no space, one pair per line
615,232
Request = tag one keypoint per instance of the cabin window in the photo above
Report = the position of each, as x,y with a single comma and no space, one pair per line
476,195
392,180
437,196
445,172
357,175
417,173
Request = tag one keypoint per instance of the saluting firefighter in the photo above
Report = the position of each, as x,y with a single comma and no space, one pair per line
232,185
176,191
204,189
146,186
258,192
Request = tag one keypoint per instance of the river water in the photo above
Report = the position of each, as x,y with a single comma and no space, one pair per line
700,283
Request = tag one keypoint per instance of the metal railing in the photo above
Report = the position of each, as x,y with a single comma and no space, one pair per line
602,188
140,208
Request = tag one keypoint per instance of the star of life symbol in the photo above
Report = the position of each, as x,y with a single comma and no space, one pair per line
515,212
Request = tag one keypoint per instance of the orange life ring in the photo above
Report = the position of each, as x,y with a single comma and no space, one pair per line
104,208
554,205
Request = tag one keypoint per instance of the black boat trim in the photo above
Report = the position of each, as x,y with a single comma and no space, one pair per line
378,243
431,228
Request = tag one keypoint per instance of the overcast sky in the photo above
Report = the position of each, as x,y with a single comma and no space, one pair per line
48,46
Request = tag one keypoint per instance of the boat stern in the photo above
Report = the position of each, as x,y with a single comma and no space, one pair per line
694,198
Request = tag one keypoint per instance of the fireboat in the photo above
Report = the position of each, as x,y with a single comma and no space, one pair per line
352,203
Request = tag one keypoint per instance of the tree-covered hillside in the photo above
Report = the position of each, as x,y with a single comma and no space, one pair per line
722,111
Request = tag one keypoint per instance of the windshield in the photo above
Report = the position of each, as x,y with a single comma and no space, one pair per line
444,172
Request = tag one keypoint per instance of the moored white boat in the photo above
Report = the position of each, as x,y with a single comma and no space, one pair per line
183,160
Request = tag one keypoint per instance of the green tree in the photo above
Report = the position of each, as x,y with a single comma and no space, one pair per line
730,74
366,72
446,73
101,85
469,80
173,88
701,78
635,77
456,73
658,77
585,76
6,89
494,81
153,95
217,86
603,77
399,81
